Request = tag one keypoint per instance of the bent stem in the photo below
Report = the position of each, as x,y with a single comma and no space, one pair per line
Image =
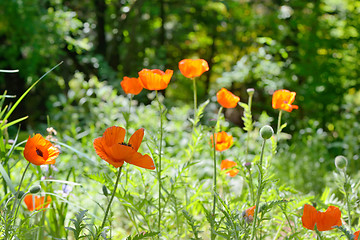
259,191
214,189
160,150
111,199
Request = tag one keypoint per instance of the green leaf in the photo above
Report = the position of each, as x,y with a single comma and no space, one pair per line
7,179
143,235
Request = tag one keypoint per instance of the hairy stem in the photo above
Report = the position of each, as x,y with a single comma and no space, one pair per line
259,191
159,164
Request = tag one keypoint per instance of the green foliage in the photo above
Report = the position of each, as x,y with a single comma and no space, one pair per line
193,225
79,224
143,235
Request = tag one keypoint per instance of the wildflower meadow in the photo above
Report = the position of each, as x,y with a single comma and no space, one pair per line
164,152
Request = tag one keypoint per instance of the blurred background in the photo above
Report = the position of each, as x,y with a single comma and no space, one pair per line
310,47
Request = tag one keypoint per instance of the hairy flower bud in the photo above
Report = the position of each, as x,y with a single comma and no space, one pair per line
105,190
266,132
341,162
35,189
19,194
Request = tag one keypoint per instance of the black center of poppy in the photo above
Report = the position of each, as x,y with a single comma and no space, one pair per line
126,144
39,152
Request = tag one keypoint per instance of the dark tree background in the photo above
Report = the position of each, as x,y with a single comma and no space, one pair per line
308,47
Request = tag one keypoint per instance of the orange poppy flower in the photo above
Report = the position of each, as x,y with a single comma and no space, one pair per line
356,234
191,68
36,203
324,220
248,214
112,148
131,85
226,164
155,79
40,151
283,99
223,141
227,99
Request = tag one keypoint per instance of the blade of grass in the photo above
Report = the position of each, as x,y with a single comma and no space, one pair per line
9,71
24,94
13,122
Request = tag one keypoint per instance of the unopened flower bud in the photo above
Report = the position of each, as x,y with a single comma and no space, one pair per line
19,194
105,190
340,162
266,132
247,165
250,91
35,189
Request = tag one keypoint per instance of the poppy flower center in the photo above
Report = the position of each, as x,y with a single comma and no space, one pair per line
126,144
39,152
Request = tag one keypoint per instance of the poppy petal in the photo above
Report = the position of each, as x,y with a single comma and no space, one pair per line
356,234
114,135
328,219
136,139
309,217
144,161
104,153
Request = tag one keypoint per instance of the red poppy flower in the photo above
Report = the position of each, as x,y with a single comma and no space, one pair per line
40,151
324,220
131,85
227,99
155,79
191,68
223,141
112,148
36,203
356,234
226,164
283,99
248,214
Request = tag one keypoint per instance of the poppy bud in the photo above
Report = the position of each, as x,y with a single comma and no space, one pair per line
266,132
19,194
105,190
340,162
35,189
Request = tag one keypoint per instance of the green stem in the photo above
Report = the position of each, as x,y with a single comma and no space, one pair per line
15,201
259,191
347,198
195,102
218,125
159,165
279,123
248,133
214,190
111,199
251,186
126,137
